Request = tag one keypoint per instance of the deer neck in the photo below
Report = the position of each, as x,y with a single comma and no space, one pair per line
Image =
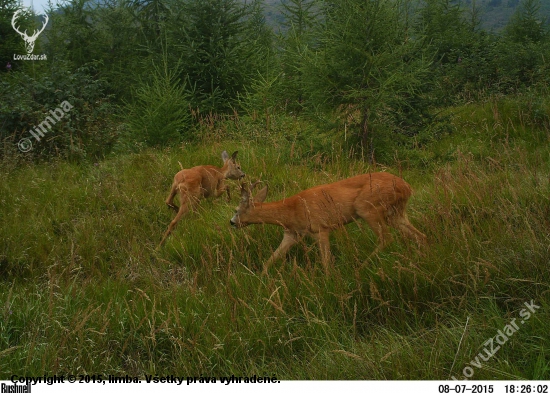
223,171
269,213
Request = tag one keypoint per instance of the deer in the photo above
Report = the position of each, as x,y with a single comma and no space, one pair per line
378,198
198,183
29,40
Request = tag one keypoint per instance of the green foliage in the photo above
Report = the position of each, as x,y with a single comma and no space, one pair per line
367,64
526,25
462,54
11,42
446,31
220,44
152,16
523,52
471,63
86,131
81,33
301,23
299,16
280,86
380,70
74,35
160,112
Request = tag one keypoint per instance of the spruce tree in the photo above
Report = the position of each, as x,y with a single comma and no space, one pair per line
368,66
220,43
526,24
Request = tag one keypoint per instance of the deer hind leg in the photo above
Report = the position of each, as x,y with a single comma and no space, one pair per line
170,199
184,208
289,239
377,221
187,199
402,224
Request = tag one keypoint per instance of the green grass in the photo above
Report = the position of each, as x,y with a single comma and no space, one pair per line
83,291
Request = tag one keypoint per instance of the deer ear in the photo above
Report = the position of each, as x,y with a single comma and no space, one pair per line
234,156
261,195
225,156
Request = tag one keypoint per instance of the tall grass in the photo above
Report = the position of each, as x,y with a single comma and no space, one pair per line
82,289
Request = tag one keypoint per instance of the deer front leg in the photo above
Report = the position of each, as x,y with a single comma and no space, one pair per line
221,188
289,239
227,189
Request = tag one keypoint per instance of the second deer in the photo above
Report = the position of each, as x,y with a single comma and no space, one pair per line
378,198
198,183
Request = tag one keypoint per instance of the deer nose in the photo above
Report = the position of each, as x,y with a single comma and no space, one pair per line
232,223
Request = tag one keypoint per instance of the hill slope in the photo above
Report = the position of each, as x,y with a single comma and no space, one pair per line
83,290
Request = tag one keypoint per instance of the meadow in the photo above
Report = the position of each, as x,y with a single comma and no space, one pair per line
83,290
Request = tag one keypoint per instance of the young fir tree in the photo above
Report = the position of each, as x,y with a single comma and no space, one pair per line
523,52
368,66
298,36
220,45
526,24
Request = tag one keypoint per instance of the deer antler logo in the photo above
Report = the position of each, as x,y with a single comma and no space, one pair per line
29,40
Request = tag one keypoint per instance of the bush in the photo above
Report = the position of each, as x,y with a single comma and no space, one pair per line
85,131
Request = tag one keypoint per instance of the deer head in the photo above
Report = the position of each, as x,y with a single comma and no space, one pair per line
245,211
29,40
232,168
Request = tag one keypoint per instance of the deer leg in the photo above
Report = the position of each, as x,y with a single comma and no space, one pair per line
403,225
289,239
228,193
188,198
221,188
170,199
184,208
378,224
324,245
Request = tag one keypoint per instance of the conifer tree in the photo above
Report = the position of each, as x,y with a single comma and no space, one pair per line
368,65
526,24
220,44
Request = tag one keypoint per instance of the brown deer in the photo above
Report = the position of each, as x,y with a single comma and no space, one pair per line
201,182
378,198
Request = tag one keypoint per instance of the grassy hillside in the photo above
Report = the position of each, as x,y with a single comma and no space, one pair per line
82,289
